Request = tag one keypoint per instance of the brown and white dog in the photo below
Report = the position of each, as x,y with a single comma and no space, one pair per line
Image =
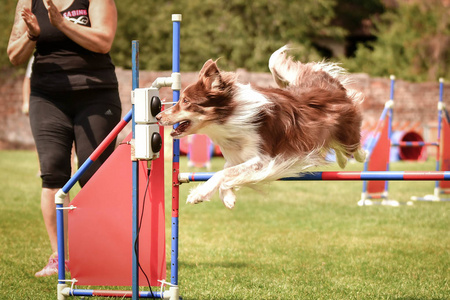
269,133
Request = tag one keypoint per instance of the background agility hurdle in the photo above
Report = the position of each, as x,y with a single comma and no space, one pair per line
104,227
443,150
379,149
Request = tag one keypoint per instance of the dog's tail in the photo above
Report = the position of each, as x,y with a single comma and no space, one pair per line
282,67
287,72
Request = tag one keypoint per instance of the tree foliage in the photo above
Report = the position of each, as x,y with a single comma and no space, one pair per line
8,9
413,42
242,33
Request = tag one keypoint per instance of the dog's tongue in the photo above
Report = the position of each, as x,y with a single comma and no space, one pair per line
180,128
174,133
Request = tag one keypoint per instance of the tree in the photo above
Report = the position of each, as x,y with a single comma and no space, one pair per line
241,33
8,9
413,42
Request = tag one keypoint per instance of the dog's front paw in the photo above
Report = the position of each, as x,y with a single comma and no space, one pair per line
228,197
195,198
199,194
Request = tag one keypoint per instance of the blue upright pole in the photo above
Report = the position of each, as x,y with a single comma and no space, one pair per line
135,178
391,115
391,110
60,237
438,150
176,19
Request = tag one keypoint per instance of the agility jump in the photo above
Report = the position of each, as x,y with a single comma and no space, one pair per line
122,261
379,147
442,152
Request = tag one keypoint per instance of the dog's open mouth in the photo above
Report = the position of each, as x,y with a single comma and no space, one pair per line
182,127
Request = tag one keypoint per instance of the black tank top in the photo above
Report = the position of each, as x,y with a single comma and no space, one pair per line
61,64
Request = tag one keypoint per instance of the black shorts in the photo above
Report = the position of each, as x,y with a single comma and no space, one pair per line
58,120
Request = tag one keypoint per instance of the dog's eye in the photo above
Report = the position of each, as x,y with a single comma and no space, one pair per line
185,100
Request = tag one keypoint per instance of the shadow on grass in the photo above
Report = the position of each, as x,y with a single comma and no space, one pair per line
419,298
225,265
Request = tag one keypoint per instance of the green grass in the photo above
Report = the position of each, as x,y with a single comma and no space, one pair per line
291,240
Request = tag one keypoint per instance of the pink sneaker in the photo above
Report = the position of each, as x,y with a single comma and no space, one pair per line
52,267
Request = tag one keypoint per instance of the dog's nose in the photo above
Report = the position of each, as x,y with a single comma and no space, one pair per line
158,117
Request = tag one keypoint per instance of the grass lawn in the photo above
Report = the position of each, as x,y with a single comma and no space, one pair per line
290,240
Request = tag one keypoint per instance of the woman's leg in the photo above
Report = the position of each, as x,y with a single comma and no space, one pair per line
53,134
96,117
48,208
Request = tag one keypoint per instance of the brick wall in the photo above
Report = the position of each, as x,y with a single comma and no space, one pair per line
414,102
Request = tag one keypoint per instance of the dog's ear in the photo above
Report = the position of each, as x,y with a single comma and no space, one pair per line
206,68
210,75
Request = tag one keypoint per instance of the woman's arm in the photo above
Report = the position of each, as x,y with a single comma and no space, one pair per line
26,90
25,28
97,38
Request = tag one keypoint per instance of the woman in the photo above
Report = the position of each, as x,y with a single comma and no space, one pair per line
74,90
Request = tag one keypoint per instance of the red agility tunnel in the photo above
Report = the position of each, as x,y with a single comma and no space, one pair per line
408,145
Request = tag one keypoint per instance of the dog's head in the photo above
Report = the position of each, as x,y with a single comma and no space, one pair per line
205,102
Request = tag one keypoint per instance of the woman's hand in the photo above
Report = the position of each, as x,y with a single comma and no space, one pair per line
99,36
30,20
22,40
55,17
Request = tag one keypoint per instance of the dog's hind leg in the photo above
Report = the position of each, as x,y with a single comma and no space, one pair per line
340,153
341,158
360,155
